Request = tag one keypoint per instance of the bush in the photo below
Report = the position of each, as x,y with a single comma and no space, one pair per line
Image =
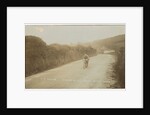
119,68
40,57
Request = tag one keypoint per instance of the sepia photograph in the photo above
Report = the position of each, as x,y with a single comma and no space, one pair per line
75,56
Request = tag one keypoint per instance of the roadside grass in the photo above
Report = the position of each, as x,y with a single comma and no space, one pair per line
119,69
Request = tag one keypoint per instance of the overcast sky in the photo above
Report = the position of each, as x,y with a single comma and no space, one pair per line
73,34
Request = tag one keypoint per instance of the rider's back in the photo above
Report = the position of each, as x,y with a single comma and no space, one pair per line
86,56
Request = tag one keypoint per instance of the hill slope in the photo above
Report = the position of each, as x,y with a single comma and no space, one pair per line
115,42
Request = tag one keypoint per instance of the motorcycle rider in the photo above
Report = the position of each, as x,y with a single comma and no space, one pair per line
85,61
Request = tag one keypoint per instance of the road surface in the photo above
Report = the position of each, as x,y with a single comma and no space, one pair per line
73,76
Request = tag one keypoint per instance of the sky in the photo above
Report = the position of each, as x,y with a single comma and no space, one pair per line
72,34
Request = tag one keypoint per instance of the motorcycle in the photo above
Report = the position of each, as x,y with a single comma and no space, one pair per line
85,63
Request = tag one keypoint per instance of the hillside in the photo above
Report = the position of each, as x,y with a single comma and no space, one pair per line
114,43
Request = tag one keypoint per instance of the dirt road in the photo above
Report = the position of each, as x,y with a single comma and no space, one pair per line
72,75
